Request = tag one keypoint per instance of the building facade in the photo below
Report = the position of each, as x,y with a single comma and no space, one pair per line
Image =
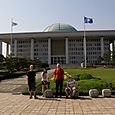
60,43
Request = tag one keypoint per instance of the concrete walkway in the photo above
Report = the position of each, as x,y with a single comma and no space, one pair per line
16,85
22,105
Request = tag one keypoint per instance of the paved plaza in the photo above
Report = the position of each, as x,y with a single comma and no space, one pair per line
22,105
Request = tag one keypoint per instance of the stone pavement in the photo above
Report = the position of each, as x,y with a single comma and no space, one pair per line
11,104
22,105
16,85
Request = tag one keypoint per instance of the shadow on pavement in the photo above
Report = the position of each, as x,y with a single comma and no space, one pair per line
111,97
84,98
50,99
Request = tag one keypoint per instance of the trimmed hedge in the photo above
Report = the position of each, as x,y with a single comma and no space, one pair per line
86,76
113,88
5,75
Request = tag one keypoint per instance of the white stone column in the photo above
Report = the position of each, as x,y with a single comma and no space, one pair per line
0,47
66,51
102,47
15,47
7,49
114,45
32,49
49,50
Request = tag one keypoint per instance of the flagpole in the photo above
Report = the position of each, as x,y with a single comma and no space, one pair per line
84,41
11,37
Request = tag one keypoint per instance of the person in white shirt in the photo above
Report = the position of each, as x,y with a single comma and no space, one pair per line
71,87
44,76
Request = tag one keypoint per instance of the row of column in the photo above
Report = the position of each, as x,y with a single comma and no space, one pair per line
66,49
49,49
32,49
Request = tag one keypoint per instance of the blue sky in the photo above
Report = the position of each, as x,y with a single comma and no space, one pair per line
36,15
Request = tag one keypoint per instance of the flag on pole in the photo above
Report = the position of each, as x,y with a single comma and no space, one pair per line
14,24
88,20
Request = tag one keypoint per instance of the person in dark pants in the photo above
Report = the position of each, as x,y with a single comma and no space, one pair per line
59,78
30,80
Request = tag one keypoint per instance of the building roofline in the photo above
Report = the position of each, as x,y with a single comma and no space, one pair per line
58,32
6,37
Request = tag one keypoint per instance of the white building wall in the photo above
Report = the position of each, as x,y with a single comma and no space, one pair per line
23,48
74,54
106,45
41,49
32,49
75,50
15,47
93,50
102,46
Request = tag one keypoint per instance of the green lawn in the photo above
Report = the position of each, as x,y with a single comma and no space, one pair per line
106,74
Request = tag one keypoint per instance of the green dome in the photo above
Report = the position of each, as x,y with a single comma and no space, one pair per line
59,28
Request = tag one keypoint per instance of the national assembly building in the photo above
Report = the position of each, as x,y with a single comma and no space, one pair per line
60,43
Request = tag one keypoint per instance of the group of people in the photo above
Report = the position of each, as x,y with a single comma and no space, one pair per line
58,79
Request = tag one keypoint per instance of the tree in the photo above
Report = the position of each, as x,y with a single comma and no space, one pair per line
107,57
18,63
100,59
2,59
10,65
37,63
113,57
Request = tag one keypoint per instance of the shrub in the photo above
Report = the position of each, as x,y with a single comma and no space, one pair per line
38,86
83,76
6,75
113,87
86,76
85,85
44,65
76,77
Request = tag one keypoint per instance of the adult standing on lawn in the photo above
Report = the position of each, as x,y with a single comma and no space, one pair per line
59,78
31,79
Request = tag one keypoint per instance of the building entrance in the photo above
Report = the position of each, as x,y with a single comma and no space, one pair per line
55,60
